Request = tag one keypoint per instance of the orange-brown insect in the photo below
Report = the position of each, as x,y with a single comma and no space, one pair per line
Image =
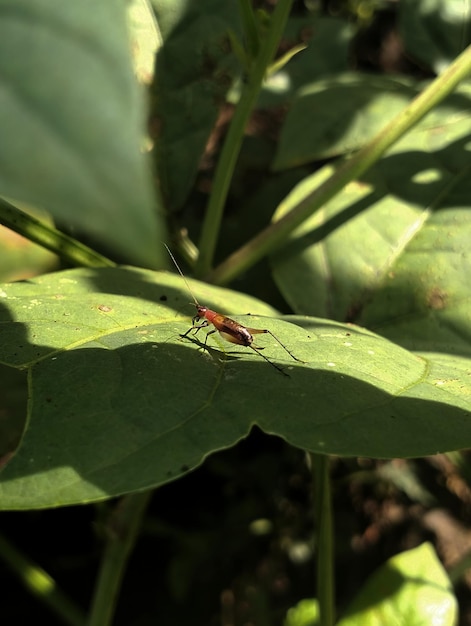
229,329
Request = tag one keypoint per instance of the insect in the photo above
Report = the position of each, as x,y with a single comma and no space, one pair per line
229,329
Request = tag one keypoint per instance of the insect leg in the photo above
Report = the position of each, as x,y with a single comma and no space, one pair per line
196,327
207,335
257,350
259,331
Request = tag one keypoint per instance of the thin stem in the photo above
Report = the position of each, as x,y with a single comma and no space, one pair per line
325,541
123,528
40,584
271,237
230,152
50,238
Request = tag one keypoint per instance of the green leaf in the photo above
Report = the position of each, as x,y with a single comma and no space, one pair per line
145,38
434,31
411,588
391,251
305,613
194,69
338,115
73,120
118,401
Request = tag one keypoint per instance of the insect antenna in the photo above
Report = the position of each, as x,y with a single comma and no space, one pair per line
182,275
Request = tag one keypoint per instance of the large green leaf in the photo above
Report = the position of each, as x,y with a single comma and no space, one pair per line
391,252
194,69
119,402
338,115
145,38
434,31
411,588
73,121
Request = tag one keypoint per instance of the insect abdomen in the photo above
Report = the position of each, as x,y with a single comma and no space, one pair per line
239,337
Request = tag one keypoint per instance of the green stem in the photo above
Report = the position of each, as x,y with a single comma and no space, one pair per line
350,169
50,238
249,22
40,584
123,528
230,152
325,541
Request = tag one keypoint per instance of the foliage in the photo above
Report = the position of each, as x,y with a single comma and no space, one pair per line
361,209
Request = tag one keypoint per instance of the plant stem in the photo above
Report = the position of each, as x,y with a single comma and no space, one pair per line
249,24
325,542
230,152
40,584
123,527
272,237
50,238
